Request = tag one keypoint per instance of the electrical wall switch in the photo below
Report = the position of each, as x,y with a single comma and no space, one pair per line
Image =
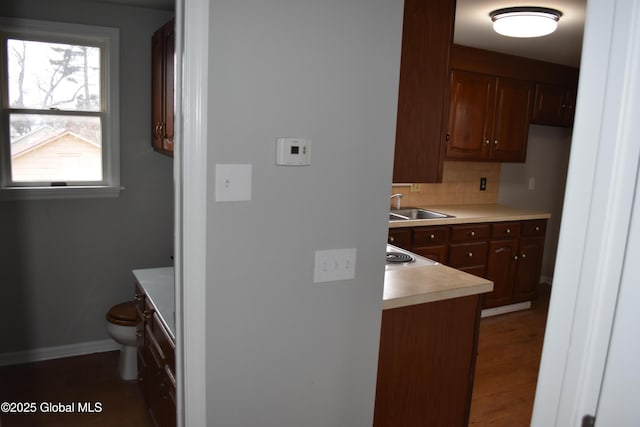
233,182
293,152
333,265
532,183
483,184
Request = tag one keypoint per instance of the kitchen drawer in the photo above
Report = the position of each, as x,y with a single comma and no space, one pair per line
430,236
468,233
468,254
435,253
400,237
536,227
505,230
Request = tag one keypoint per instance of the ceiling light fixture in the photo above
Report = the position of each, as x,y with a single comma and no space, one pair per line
525,21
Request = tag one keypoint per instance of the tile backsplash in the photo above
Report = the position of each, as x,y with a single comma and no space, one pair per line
460,186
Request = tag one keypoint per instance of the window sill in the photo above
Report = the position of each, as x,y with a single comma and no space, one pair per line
68,192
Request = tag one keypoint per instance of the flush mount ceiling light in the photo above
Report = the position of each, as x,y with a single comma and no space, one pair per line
525,21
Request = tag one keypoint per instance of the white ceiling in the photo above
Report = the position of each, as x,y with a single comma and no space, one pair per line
474,28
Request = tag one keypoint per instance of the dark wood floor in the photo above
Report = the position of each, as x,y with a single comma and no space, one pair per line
509,350
92,378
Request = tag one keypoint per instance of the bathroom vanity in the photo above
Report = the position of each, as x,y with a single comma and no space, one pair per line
155,329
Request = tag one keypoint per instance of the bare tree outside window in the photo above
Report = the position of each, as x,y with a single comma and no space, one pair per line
55,106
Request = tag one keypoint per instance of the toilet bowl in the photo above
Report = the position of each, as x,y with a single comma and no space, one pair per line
121,326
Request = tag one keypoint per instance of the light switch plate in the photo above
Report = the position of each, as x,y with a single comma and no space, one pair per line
335,264
233,182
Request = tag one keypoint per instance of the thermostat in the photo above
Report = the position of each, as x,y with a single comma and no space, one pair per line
293,152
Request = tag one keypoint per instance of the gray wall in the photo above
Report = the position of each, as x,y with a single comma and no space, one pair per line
281,350
63,263
547,161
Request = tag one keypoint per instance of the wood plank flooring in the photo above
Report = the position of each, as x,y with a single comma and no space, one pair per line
92,378
509,350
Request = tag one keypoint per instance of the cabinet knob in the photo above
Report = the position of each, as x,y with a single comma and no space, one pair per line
515,257
391,239
472,233
146,314
495,142
138,333
537,228
487,142
470,254
432,236
508,231
523,255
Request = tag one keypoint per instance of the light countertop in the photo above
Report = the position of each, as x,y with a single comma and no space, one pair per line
429,282
159,287
465,214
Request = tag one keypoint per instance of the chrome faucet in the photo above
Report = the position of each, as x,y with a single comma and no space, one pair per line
399,196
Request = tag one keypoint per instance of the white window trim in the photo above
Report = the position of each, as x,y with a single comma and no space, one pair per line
110,40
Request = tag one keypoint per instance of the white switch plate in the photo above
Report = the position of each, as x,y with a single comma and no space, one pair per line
233,182
532,183
293,152
335,264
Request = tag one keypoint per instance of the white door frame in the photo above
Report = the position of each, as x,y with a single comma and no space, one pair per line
190,183
600,190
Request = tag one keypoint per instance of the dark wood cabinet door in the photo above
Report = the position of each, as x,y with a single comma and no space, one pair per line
162,88
427,36
157,89
511,120
169,89
548,108
554,105
470,116
528,273
426,364
501,271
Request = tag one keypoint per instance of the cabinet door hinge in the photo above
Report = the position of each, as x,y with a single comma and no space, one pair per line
588,421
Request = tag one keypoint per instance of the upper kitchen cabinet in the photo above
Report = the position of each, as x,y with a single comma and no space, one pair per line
554,105
493,99
426,40
488,117
162,89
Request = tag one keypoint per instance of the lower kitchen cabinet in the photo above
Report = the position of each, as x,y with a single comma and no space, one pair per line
507,253
426,363
156,363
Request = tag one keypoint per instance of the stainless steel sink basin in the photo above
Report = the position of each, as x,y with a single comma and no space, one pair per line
415,213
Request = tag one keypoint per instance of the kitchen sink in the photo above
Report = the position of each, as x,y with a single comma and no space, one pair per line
415,213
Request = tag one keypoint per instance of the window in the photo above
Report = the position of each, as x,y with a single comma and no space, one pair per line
60,132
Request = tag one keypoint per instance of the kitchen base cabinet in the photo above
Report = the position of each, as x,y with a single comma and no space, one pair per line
507,253
426,363
514,262
156,363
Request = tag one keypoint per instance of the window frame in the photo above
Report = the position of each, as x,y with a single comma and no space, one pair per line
58,32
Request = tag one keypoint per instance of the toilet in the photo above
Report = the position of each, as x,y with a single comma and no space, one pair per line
121,326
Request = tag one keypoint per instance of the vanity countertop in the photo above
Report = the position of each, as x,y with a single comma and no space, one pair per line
159,286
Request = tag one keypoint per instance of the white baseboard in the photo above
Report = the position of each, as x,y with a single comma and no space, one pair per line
487,312
58,352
